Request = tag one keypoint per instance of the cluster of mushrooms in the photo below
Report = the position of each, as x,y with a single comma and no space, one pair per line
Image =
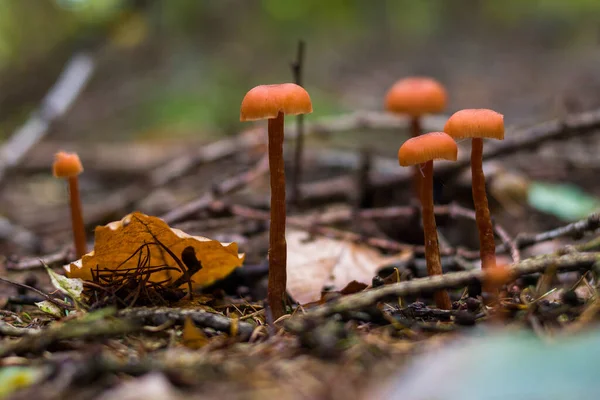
415,97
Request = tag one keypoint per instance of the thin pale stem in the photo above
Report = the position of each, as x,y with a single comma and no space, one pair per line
277,243
487,246
298,151
415,130
432,251
77,217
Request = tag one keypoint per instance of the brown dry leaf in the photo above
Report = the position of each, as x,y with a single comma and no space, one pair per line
193,337
322,262
119,240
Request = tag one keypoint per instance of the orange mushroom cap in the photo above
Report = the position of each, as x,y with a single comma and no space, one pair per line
266,101
66,165
475,123
416,96
427,147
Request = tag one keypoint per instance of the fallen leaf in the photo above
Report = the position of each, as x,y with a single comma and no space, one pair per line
132,241
50,308
353,287
193,337
322,262
72,287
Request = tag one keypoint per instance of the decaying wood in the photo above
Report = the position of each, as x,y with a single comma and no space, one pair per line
202,318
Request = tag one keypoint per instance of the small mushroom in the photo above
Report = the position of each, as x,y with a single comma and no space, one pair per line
478,124
272,102
68,165
416,96
421,151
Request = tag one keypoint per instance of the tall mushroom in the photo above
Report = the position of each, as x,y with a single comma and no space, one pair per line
68,165
416,96
272,102
478,124
421,151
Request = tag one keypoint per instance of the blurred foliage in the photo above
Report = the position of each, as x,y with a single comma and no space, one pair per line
567,202
213,51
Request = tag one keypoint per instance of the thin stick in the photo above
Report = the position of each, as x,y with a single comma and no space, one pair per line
59,303
568,262
297,71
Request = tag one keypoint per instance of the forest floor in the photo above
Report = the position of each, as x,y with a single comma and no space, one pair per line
361,309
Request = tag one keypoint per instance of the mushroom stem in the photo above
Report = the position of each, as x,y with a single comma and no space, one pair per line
277,243
432,251
77,217
415,130
487,246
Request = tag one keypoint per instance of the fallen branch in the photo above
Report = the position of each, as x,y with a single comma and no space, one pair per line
297,71
39,340
454,280
200,317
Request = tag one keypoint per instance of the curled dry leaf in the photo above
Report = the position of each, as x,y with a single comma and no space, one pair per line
316,263
138,239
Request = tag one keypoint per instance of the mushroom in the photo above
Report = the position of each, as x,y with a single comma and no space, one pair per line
416,96
421,151
272,102
478,124
68,165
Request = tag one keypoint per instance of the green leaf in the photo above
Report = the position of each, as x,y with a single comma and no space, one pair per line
50,308
567,202
72,287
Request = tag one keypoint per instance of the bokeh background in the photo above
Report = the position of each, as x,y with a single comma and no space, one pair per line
169,76
181,67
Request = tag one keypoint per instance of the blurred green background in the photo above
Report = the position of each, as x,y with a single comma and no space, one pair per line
181,67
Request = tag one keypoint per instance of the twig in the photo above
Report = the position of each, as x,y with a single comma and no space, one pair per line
58,100
200,317
508,243
59,303
575,230
297,71
361,300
